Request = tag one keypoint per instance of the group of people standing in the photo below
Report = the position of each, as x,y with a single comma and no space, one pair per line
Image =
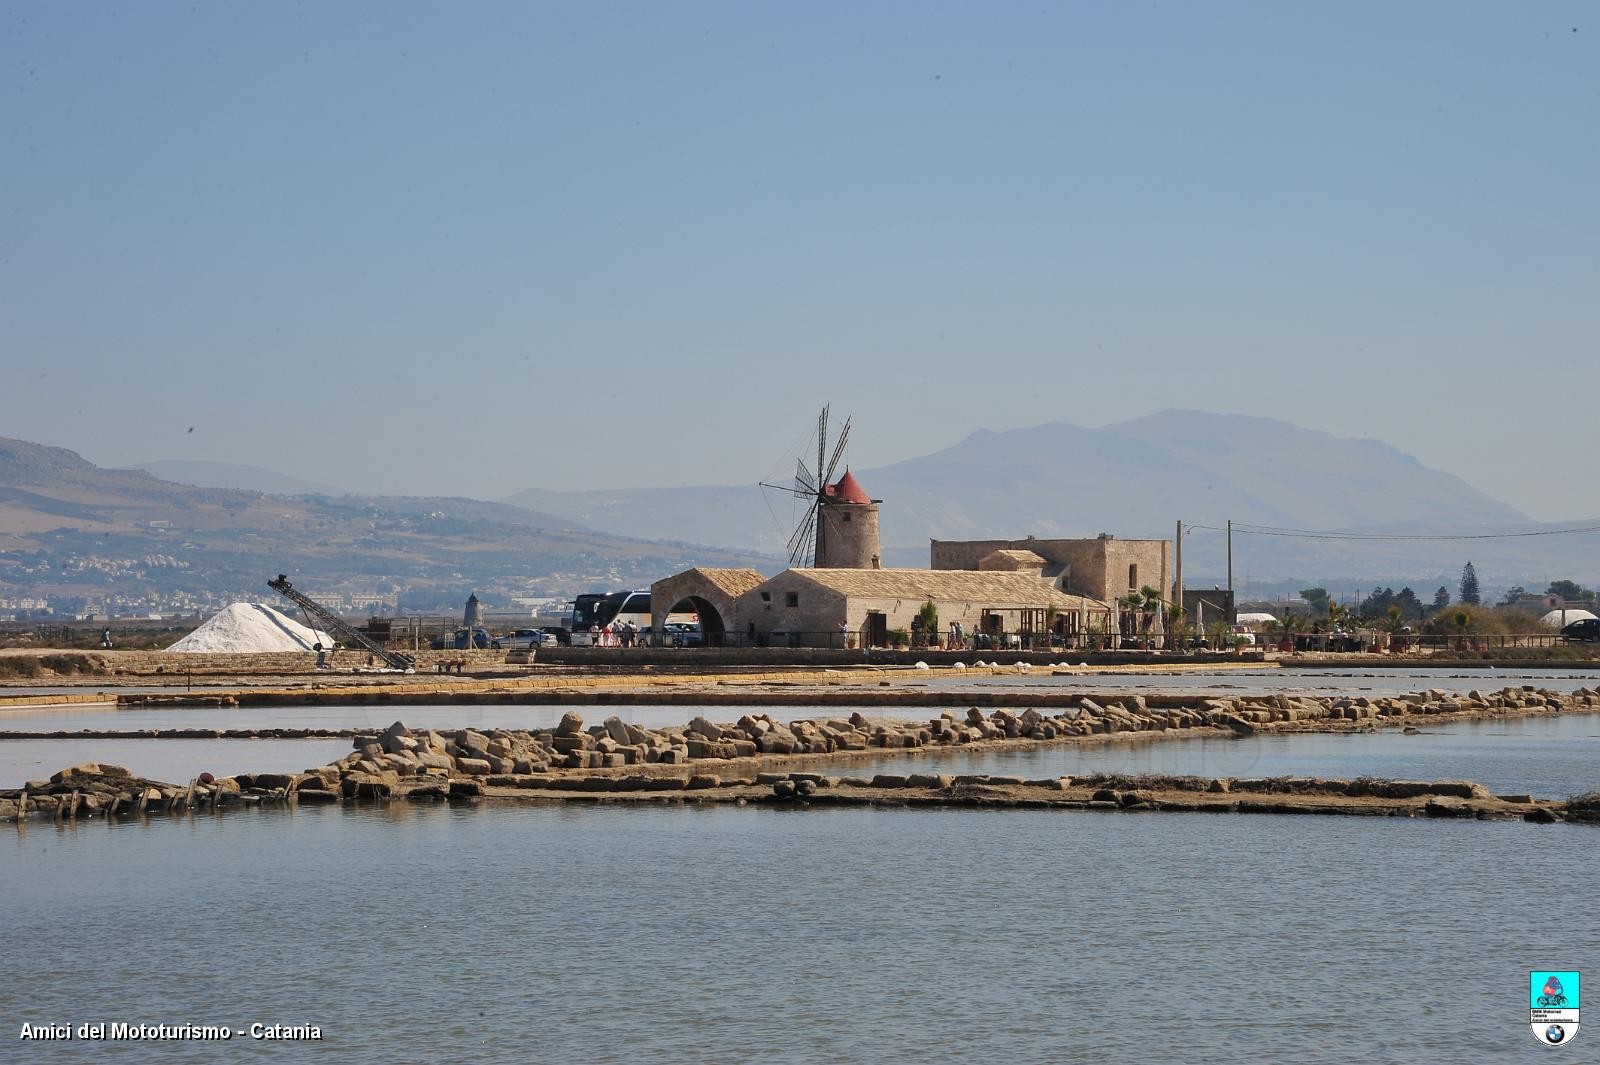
622,634
957,640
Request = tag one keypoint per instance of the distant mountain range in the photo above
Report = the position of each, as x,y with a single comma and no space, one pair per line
1136,479
75,533
204,474
72,530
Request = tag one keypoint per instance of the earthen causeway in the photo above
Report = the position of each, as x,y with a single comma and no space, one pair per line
760,759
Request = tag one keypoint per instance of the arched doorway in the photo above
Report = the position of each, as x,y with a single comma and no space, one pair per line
713,628
713,594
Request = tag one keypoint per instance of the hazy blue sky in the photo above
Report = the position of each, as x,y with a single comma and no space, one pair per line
471,248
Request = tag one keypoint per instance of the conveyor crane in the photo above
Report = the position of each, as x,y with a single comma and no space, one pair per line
338,627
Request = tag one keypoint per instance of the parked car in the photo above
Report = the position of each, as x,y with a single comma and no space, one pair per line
459,641
562,636
524,640
1587,630
682,634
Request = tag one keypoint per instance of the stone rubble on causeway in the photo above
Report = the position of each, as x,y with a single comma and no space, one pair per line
572,760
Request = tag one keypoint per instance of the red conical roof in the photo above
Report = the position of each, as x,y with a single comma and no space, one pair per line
848,490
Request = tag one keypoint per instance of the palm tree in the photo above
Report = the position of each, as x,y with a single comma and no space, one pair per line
1176,628
1127,622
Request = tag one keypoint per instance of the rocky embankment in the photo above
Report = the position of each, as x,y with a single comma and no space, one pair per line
109,791
706,761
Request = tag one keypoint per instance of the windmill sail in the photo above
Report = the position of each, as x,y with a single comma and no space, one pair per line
811,486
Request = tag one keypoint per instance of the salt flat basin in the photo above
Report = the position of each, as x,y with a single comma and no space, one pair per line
442,717
174,761
1219,683
754,934
1551,757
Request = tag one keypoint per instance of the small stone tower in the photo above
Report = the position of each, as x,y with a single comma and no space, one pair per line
474,614
847,527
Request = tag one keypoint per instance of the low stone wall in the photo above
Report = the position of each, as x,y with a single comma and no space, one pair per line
93,790
274,663
728,657
55,700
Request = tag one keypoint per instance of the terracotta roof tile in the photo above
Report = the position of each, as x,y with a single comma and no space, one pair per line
847,490
732,582
985,587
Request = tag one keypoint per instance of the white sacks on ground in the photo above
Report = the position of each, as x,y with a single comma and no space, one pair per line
250,628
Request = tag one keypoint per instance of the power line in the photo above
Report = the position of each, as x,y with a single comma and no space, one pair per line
1307,534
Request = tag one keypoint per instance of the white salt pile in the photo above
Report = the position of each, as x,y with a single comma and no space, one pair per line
250,628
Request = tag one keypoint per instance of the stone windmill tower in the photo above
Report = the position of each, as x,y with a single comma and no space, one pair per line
847,527
840,527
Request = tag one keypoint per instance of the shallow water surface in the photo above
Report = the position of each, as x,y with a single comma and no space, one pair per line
1551,757
174,761
681,934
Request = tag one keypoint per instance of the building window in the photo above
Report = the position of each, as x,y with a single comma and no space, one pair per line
847,516
792,599
766,597
1133,577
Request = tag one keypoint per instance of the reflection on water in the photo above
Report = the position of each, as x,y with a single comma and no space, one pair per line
1551,757
742,935
1221,683
56,718
174,761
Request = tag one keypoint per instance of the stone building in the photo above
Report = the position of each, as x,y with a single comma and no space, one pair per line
1204,606
847,526
1104,568
1038,592
849,607
709,592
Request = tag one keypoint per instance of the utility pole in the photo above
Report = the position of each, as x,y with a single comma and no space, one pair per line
1178,589
1232,606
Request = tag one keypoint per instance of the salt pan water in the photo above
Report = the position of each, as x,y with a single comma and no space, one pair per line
682,934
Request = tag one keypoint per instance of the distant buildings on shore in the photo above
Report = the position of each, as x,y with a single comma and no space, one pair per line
1066,590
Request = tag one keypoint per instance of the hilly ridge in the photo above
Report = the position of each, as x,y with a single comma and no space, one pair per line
79,534
205,474
1134,478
